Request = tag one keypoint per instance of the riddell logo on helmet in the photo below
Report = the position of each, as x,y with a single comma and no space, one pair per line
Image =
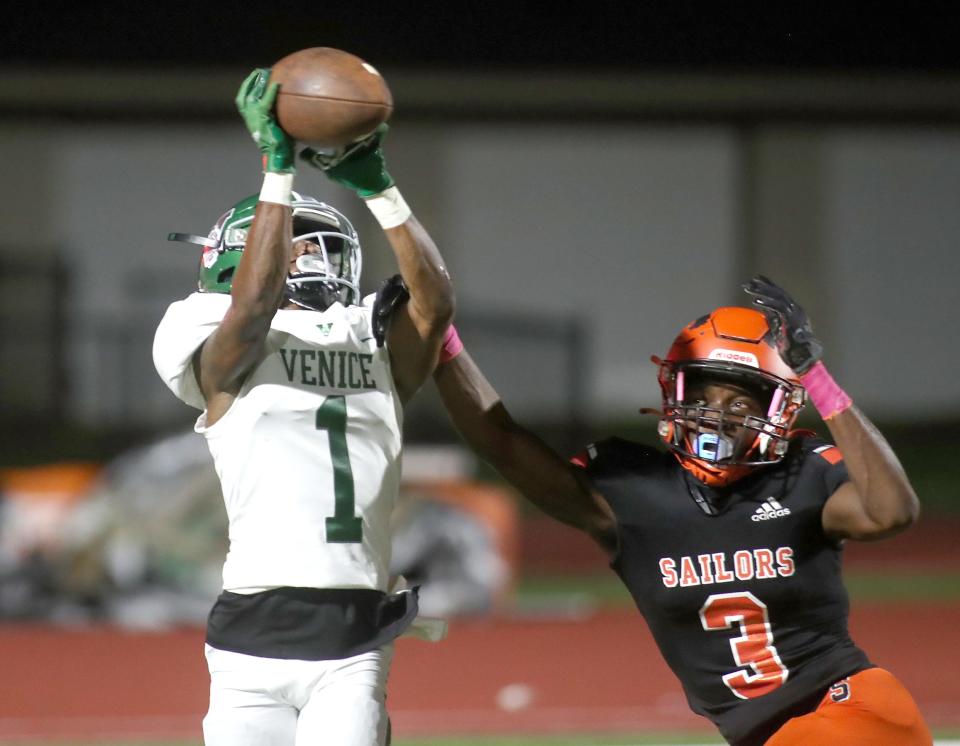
733,356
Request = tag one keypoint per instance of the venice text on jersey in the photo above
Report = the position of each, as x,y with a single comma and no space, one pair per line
746,564
336,369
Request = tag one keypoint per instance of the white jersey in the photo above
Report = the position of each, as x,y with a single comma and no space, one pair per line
308,454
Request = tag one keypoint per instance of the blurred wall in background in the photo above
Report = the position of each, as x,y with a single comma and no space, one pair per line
624,216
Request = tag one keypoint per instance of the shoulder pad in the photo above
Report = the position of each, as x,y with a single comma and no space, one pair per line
391,295
808,442
183,329
829,453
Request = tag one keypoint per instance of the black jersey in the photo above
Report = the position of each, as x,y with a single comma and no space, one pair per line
740,587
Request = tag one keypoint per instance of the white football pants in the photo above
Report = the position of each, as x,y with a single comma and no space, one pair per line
272,702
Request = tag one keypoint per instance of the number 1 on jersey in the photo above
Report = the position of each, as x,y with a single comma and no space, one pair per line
343,527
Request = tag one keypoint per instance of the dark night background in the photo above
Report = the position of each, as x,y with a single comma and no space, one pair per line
490,35
812,71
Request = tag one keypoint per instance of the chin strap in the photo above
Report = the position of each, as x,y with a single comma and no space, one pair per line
319,299
712,476
700,494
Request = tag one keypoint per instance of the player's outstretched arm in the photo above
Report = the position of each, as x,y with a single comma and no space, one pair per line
879,501
257,289
526,462
416,331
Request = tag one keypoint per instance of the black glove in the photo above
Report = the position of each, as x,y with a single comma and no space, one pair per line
392,294
788,323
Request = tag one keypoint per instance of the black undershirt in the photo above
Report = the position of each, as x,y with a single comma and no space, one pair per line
309,623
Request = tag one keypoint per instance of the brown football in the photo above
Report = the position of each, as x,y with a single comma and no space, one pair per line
329,97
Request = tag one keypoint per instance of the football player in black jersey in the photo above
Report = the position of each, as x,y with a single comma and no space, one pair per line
730,541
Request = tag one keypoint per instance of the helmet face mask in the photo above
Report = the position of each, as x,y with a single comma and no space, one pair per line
332,274
327,276
723,436
754,398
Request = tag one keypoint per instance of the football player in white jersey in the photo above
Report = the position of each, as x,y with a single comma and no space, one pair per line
301,383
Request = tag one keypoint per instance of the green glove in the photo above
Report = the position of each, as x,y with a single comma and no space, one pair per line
255,103
359,166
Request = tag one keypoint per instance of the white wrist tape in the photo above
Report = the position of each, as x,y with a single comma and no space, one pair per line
276,188
389,208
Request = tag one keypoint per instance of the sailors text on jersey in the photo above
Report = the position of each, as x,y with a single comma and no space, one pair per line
745,564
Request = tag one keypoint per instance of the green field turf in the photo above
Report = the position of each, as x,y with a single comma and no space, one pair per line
903,586
605,591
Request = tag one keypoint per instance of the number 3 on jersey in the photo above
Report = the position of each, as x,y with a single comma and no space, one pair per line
753,648
343,527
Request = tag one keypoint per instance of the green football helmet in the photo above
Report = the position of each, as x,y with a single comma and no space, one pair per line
320,280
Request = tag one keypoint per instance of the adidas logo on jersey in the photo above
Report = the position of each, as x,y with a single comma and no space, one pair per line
769,510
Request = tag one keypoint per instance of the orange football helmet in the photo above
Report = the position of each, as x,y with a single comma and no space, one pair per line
730,346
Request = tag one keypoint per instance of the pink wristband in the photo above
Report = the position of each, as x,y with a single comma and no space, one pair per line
452,346
829,399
